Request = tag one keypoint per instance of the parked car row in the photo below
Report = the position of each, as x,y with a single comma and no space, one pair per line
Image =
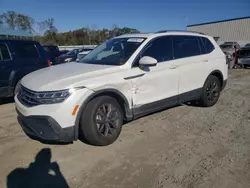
65,56
238,56
73,55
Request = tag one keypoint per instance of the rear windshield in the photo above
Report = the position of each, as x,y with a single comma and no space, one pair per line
224,46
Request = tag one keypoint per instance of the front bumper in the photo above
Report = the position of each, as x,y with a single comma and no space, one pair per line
45,129
52,122
244,61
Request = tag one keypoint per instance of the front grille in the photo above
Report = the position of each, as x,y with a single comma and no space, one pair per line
27,97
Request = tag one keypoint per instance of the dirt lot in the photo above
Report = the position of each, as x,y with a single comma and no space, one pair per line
181,147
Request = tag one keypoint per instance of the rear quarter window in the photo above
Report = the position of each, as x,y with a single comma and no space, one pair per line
26,50
207,44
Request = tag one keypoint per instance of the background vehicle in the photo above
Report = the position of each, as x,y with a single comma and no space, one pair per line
247,45
229,47
18,58
63,52
69,56
122,79
52,51
244,57
82,54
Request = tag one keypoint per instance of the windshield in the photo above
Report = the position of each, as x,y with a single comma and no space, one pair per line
113,52
72,52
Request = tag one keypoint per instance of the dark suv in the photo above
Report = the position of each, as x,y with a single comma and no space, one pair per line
18,58
52,52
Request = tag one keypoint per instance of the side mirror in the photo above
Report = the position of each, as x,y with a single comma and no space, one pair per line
148,61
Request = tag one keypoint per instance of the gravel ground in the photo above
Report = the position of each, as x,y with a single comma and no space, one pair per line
183,147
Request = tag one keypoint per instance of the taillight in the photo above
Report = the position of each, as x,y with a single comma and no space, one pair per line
49,63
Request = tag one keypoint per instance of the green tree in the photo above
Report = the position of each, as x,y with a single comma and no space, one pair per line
24,22
14,20
1,21
9,19
50,34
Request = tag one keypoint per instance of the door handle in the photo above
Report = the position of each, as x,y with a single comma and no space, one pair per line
173,66
205,60
134,76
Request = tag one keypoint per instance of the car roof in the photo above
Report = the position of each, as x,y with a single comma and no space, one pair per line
162,33
19,40
49,45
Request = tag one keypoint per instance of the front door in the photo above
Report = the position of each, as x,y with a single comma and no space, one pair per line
155,87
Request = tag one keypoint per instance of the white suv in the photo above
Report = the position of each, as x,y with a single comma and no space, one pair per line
122,79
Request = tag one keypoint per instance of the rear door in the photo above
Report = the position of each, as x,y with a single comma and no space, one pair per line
7,65
193,65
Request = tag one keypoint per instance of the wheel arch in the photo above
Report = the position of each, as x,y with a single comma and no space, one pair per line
218,74
13,79
121,99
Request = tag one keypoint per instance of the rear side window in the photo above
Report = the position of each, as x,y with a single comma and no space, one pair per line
53,48
186,46
26,50
207,44
161,49
4,52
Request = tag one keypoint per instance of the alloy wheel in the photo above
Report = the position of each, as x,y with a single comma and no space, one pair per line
107,119
212,92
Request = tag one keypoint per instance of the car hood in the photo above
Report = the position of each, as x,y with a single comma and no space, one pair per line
64,76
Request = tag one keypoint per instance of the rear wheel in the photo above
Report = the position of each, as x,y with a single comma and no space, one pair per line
211,91
101,121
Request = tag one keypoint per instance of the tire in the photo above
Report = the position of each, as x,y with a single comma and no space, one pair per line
95,123
211,91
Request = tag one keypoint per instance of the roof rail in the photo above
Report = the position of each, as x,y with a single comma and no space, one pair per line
185,31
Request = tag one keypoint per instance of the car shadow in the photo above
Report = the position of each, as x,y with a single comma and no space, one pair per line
193,104
6,100
41,173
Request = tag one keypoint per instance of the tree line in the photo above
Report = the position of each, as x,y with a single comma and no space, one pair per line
46,32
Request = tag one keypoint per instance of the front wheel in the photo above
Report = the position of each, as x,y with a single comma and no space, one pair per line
101,121
211,91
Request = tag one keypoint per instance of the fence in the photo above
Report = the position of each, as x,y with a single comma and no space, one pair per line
75,46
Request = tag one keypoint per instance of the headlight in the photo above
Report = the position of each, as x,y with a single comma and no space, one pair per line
68,59
52,97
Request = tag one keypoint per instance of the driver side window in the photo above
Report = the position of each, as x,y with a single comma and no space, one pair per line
161,49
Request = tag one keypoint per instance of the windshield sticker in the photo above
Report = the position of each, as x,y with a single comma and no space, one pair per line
135,40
